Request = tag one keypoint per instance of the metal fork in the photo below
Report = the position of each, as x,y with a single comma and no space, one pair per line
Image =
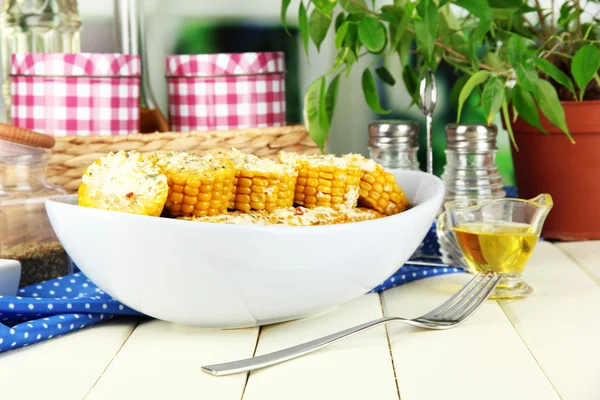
451,313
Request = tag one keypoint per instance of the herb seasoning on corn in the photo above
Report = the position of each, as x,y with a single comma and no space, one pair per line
198,186
378,188
324,181
260,183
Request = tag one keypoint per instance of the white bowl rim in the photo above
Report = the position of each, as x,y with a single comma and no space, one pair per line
263,228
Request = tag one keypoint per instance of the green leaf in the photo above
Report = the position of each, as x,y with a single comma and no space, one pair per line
527,77
385,75
476,79
303,26
284,6
331,97
319,25
517,49
371,34
354,6
525,106
325,6
340,35
456,88
339,20
482,29
491,98
426,28
312,119
404,21
549,69
370,92
391,14
508,124
479,8
411,82
550,106
506,3
494,60
585,65
351,40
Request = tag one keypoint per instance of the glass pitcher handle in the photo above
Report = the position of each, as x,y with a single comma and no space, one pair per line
451,252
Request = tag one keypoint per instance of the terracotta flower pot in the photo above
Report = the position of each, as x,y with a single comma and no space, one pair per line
569,172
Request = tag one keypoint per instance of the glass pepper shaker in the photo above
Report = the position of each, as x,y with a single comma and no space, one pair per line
394,144
470,173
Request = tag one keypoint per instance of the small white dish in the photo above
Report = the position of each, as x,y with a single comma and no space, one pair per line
226,276
10,276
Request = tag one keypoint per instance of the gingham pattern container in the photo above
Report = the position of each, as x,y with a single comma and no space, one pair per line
226,91
76,94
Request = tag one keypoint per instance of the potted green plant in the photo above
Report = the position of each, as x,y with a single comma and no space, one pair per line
534,67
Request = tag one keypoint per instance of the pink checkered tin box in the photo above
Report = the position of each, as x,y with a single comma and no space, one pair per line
226,91
76,94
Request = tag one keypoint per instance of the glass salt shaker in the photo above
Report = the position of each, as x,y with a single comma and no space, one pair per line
470,173
26,234
394,144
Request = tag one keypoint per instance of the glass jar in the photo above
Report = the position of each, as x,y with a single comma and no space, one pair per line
394,144
25,231
36,26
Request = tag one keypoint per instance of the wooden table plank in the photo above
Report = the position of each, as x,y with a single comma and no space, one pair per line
65,367
162,361
484,358
550,271
358,367
560,323
586,254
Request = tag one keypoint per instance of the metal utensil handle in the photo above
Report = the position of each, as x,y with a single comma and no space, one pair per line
266,360
427,104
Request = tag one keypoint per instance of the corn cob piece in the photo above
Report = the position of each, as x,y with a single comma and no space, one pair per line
378,189
260,183
361,214
198,186
324,181
124,182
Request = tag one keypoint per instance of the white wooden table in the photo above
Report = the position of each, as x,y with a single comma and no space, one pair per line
544,347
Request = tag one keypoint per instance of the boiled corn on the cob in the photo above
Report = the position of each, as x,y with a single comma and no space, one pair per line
260,183
324,181
125,182
378,188
198,186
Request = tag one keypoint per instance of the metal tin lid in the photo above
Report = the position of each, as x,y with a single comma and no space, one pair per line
75,64
225,64
399,133
471,137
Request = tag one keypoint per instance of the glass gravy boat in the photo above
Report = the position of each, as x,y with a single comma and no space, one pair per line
494,236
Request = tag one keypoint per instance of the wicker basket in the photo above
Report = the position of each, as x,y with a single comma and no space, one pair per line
72,154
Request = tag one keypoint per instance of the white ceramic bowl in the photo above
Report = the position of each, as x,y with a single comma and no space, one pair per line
226,276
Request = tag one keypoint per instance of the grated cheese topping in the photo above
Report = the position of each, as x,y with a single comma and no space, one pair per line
124,175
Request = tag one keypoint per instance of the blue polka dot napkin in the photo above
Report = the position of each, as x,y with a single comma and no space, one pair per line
52,308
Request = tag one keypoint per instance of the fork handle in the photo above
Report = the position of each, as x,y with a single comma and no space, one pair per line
249,364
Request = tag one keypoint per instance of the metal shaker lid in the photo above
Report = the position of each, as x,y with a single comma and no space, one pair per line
471,137
400,133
